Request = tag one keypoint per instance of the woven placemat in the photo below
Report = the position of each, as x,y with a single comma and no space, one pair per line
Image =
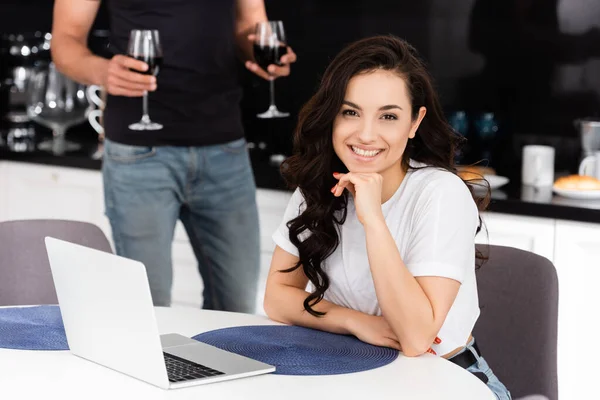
32,328
295,350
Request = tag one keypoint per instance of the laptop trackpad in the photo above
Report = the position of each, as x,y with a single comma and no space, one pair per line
174,339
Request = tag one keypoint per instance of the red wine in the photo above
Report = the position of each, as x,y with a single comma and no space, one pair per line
154,64
266,55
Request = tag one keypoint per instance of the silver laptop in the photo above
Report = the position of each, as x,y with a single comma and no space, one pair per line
109,319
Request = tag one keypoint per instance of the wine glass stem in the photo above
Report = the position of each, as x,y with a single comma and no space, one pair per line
58,132
272,91
145,116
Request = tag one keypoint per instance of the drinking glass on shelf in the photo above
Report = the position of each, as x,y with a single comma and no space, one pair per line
144,45
269,46
58,103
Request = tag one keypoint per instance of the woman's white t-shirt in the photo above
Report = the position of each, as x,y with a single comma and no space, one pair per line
433,219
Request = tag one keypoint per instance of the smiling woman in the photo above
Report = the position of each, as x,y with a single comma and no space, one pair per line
371,131
378,238
374,112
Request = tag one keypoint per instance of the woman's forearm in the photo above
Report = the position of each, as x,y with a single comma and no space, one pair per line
285,304
402,300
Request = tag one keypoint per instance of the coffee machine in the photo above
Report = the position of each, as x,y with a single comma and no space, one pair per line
589,131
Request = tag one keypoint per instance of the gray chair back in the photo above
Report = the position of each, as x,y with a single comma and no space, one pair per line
517,329
25,276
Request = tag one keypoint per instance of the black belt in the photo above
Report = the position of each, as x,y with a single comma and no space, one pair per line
466,359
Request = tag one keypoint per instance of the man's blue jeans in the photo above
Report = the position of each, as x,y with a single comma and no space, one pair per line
212,191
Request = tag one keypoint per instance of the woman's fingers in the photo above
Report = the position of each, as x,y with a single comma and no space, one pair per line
338,188
341,185
344,185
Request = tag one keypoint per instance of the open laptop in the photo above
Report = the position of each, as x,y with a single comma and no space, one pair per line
109,319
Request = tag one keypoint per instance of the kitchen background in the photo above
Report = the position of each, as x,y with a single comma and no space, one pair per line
510,72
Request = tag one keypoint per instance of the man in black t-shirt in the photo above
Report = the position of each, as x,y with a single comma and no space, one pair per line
196,168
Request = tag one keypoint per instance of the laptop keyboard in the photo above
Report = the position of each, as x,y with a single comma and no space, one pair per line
179,369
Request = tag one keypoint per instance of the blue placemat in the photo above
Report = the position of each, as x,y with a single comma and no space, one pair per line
32,328
295,350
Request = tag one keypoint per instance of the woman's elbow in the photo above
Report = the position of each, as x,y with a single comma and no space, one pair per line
412,352
415,349
272,307
269,306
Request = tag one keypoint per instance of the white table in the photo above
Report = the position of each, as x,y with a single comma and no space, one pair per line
59,375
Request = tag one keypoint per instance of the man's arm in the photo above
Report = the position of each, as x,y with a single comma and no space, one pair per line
71,25
248,14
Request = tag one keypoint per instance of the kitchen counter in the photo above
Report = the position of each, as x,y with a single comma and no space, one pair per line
510,199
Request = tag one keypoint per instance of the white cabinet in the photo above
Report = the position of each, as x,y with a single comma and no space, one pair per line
577,260
32,191
525,233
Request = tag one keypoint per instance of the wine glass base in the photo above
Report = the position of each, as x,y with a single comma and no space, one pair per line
145,126
273,112
58,146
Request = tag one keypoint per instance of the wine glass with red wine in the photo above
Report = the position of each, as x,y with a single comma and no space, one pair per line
144,45
269,45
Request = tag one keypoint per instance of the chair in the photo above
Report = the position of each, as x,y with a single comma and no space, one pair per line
25,276
517,329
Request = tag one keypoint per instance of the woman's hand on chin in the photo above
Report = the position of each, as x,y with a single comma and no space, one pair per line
366,189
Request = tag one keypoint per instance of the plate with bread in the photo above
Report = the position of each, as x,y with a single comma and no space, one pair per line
581,187
474,173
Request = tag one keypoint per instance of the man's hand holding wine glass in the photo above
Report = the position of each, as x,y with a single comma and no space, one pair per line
123,80
273,70
272,58
272,55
